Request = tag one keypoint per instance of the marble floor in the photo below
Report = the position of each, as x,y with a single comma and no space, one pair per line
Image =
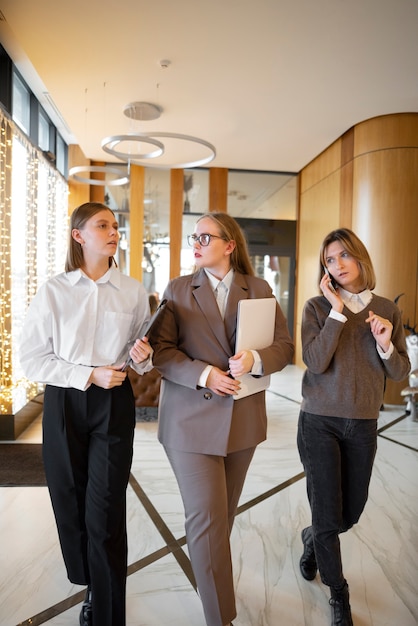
380,554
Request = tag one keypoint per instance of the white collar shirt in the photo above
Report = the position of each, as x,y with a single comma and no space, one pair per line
227,279
257,368
356,302
75,323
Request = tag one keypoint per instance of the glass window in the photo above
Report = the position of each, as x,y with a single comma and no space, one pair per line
61,162
156,260
43,131
38,237
276,271
262,195
156,244
196,192
21,104
196,202
264,204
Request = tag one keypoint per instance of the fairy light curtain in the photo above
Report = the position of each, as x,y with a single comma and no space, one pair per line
33,240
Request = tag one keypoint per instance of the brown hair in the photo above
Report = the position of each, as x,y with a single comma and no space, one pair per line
356,248
154,301
79,217
230,230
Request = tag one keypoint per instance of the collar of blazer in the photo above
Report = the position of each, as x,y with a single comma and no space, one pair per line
224,331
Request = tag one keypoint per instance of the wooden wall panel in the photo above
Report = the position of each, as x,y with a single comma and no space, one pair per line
328,162
97,192
136,220
176,219
347,173
385,216
218,189
387,131
78,192
373,189
317,216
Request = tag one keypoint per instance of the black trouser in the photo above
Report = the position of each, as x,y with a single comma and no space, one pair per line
337,455
87,449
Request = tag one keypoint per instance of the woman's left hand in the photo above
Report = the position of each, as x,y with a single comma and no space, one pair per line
141,350
241,363
381,329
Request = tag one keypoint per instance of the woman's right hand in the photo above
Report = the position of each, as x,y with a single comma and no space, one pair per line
221,383
332,296
107,376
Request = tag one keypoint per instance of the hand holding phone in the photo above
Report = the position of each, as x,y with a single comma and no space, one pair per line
331,284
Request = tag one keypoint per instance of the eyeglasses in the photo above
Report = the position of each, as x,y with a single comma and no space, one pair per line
203,239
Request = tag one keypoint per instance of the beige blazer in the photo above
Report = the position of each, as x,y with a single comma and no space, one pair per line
193,335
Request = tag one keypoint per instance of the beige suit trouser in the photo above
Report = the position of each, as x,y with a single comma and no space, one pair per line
210,487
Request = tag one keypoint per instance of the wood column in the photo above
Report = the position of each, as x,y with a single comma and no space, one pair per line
176,219
136,220
79,193
385,210
347,169
218,189
97,192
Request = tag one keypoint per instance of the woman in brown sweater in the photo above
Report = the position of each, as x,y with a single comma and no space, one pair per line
351,341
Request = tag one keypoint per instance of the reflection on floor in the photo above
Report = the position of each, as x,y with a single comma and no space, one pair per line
380,554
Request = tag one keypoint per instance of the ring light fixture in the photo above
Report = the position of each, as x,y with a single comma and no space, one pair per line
102,169
109,145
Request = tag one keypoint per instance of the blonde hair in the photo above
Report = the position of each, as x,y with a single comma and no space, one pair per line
79,217
230,230
356,248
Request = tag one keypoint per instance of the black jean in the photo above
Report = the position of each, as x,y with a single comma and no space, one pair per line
337,455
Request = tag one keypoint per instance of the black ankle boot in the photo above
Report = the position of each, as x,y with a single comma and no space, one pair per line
307,563
86,613
340,607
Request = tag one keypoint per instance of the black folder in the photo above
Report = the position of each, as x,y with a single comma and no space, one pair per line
152,327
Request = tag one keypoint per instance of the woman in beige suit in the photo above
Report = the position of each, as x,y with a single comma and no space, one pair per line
209,437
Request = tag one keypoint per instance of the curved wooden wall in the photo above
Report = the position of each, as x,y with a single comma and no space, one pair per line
368,181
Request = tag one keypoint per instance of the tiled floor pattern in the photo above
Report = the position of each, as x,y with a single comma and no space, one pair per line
380,554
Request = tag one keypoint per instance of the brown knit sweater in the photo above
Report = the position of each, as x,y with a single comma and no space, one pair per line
345,374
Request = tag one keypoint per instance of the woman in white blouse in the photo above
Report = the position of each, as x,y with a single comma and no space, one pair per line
76,338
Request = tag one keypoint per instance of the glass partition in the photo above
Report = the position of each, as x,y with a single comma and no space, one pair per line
264,204
262,195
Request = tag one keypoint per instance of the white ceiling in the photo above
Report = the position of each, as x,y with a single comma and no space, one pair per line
270,83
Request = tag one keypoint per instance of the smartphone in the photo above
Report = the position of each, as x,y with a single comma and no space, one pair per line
332,284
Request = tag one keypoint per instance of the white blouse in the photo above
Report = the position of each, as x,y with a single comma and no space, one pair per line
74,324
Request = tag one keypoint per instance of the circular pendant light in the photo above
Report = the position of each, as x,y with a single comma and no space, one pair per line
122,179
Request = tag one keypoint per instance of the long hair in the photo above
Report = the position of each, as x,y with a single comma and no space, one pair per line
79,217
356,248
230,230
